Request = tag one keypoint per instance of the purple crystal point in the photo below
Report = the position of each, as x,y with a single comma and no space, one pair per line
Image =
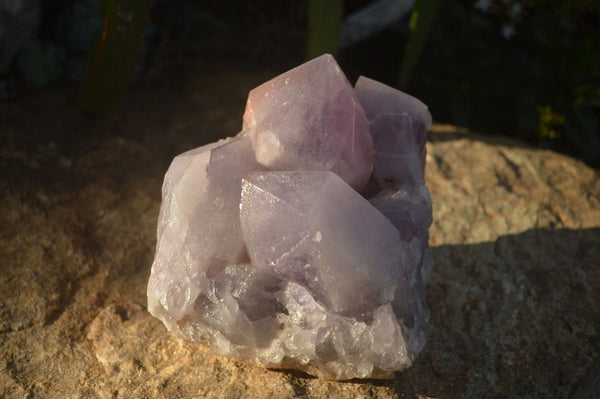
198,228
333,241
399,128
377,98
309,118
266,250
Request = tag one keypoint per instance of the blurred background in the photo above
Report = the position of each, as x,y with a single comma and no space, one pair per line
529,69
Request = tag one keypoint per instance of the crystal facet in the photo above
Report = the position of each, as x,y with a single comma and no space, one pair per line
268,252
399,128
309,118
333,241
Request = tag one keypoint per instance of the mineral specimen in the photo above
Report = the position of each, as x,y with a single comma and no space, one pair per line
309,118
266,249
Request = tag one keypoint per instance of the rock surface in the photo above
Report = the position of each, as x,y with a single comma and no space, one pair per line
513,295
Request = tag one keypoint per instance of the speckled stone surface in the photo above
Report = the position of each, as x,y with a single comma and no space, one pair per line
513,297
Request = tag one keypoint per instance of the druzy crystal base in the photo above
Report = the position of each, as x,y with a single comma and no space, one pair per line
300,242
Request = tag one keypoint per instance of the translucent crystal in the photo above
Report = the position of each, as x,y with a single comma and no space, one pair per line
198,226
266,251
309,118
399,128
333,241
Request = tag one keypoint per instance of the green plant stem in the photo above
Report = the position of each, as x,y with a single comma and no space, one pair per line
421,20
324,24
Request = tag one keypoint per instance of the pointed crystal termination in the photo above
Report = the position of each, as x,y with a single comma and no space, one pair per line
335,250
399,128
266,251
309,118
199,231
334,242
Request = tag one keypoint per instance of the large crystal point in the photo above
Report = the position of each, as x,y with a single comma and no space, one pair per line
399,127
333,241
309,118
199,231
266,251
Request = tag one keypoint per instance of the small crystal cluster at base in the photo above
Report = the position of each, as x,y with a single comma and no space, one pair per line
299,243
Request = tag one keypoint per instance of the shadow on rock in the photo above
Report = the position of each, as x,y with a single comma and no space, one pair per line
517,317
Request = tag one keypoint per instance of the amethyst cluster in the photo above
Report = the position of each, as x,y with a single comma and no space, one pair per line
299,243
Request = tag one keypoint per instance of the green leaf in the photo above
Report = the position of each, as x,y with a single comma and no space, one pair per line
114,56
421,21
324,24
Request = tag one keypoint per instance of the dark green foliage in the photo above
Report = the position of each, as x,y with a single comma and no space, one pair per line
471,75
421,21
41,63
112,60
78,26
541,84
324,24
258,30
18,23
